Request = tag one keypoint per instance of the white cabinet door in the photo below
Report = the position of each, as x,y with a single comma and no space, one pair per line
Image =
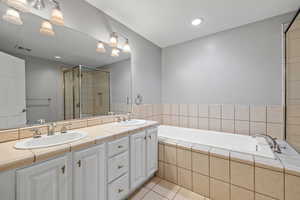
45,181
138,158
152,145
89,177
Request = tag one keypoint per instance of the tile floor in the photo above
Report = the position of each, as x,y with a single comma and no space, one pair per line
159,189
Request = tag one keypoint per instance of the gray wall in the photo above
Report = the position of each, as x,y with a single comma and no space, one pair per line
238,66
120,81
44,80
146,57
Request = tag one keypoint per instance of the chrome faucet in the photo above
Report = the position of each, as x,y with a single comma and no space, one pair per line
273,144
64,128
51,129
36,133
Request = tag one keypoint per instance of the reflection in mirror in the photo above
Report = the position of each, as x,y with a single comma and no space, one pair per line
66,76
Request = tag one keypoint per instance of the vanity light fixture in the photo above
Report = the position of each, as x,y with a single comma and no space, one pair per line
47,28
113,41
197,21
100,47
115,52
126,47
21,5
57,16
12,16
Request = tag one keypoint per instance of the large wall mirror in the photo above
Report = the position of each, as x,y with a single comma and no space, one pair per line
293,83
58,77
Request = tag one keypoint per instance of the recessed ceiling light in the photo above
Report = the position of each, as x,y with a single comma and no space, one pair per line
197,22
57,57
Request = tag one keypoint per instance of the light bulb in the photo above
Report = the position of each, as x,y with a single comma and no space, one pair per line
126,47
47,29
115,52
21,5
12,16
113,41
57,17
100,47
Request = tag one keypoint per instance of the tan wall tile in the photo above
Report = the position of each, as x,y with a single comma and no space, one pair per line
203,110
94,122
269,182
166,109
174,109
292,184
258,128
203,123
219,168
170,173
242,112
27,132
170,154
201,184
219,190
228,111
184,178
9,135
258,113
215,111
183,110
184,158
275,114
193,122
183,121
215,124
161,169
174,120
275,130
228,126
242,175
242,127
238,193
161,152
193,110
200,163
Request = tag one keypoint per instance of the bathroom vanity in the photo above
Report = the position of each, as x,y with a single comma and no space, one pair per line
120,160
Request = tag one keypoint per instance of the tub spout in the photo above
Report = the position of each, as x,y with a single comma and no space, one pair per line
271,141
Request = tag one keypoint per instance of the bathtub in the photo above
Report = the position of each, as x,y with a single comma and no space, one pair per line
239,143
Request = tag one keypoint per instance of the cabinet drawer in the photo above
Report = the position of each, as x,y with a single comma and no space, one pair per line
118,146
119,188
117,166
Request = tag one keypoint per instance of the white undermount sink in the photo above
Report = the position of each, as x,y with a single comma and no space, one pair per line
48,141
132,122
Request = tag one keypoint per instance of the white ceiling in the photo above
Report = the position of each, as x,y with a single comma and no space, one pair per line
74,48
168,22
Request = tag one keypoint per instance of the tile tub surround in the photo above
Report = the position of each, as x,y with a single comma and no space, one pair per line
231,118
11,158
225,175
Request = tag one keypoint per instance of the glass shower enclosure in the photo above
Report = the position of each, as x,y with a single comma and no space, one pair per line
86,92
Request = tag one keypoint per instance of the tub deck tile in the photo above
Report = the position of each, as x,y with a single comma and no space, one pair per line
269,163
242,157
199,148
221,153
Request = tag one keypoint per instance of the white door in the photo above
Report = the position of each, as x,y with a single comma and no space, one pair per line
45,181
90,174
138,158
12,91
152,145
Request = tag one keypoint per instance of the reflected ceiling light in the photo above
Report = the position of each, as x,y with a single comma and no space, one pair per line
38,4
100,47
57,16
113,41
47,29
197,22
21,5
57,57
115,52
126,47
12,16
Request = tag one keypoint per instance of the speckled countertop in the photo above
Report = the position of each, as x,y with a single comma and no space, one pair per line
11,158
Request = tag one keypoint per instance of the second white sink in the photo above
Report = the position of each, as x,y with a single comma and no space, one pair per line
48,141
133,122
